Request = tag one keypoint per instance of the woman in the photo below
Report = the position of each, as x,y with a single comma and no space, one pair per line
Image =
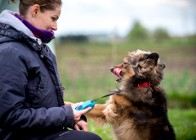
31,95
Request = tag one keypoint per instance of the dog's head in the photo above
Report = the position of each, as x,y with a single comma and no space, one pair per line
140,68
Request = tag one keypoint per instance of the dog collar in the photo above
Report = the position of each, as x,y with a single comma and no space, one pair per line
144,85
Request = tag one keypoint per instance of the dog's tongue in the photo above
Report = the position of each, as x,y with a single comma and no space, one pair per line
117,71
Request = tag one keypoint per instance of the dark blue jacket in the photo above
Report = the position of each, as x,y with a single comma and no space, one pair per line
31,96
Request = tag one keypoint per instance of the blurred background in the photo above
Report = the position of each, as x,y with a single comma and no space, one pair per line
94,35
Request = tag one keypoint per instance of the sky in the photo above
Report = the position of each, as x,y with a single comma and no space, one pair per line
178,17
117,17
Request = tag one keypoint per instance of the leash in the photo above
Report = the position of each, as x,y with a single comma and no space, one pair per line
91,103
105,96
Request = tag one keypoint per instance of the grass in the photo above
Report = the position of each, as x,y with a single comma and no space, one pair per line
84,71
183,121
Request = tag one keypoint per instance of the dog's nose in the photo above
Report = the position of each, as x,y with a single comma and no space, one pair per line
112,69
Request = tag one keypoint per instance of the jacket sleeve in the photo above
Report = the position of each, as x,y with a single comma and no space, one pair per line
13,113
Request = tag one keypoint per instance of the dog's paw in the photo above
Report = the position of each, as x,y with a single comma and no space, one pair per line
110,114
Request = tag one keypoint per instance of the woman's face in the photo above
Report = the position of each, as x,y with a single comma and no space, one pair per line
46,20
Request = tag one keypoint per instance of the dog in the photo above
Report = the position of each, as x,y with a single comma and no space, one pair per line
137,110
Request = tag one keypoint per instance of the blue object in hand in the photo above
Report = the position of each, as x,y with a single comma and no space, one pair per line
89,103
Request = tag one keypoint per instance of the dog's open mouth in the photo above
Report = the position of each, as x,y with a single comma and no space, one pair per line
116,71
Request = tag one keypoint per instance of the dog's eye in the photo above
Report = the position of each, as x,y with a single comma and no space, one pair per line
126,65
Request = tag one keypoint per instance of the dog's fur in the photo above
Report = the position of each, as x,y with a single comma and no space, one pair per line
138,109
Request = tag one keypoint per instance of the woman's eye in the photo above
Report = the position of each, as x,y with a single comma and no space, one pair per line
54,18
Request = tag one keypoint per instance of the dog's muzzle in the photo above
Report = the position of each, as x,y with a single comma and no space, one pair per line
117,71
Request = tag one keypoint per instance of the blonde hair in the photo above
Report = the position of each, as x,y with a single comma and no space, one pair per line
44,5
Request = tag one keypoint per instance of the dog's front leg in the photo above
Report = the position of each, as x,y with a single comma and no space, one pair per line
97,113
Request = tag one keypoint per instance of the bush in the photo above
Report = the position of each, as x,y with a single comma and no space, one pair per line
160,34
138,32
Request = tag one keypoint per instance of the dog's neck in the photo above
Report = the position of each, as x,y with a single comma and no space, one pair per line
141,85
144,85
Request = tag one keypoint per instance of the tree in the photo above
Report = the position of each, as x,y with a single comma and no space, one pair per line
138,32
160,34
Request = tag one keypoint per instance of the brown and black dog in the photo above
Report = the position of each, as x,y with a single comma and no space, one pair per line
138,109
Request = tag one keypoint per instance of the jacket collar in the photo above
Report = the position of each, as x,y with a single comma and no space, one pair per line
8,17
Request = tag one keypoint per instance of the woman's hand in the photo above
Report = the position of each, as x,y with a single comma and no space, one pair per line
81,125
79,113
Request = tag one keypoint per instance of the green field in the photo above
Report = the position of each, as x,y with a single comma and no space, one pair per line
183,121
84,71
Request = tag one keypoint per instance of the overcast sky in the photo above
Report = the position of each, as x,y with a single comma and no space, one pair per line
118,16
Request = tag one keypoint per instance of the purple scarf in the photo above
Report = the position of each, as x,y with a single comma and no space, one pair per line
45,35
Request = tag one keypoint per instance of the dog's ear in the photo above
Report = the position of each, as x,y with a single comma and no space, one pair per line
154,56
152,59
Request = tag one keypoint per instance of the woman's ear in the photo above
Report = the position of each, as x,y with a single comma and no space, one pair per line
35,9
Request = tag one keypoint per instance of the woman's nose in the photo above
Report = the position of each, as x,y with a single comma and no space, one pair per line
54,26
